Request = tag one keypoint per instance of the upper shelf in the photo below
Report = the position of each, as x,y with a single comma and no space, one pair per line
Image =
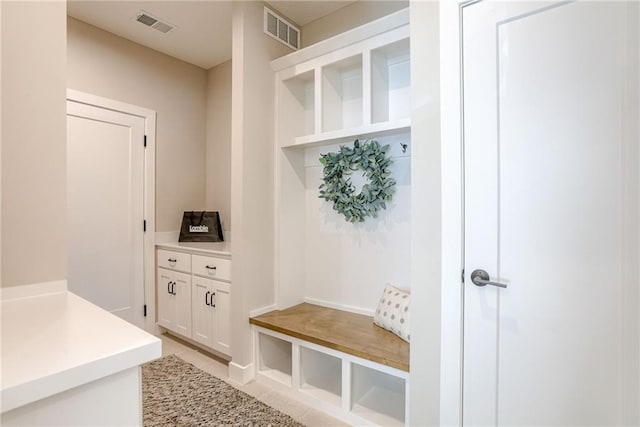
361,89
347,135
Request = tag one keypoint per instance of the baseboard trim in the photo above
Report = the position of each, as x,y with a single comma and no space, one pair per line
343,307
241,374
33,290
262,310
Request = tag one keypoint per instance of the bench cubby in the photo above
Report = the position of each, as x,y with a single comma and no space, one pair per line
321,375
275,358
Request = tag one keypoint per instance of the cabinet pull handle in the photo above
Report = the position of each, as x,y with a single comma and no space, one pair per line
173,288
213,294
172,260
209,267
169,287
206,298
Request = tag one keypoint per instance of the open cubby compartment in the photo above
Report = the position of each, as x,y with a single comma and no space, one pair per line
275,358
342,102
321,375
297,105
390,82
378,396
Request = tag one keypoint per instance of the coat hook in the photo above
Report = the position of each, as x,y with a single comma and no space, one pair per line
404,147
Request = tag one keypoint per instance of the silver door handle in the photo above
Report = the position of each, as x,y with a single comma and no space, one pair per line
481,278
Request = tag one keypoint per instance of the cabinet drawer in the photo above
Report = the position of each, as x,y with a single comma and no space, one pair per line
174,260
215,268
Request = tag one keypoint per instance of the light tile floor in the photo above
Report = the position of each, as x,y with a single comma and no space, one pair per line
296,410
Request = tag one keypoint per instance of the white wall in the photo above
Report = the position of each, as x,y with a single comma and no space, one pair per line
218,185
347,265
348,17
103,64
33,142
252,179
427,239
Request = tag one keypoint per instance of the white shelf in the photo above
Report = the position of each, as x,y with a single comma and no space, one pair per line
348,135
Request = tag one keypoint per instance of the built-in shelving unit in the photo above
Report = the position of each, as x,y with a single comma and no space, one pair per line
352,86
356,390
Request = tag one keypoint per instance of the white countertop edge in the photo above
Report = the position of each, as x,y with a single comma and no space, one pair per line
184,247
23,394
36,289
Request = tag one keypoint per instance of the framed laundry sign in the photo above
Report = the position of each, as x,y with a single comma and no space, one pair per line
201,227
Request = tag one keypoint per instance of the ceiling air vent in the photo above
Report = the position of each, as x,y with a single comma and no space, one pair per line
155,23
281,30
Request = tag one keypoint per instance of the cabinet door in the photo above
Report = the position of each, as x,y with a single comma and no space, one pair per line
182,291
222,317
202,311
166,303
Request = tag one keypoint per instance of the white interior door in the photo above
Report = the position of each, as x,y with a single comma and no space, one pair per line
551,210
105,202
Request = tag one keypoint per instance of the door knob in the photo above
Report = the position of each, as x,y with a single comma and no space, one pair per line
481,278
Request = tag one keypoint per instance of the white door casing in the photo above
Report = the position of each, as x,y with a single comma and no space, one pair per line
552,210
111,192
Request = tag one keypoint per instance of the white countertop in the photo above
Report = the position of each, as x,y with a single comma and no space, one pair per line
218,248
52,342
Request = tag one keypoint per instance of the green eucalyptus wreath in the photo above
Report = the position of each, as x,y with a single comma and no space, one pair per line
337,187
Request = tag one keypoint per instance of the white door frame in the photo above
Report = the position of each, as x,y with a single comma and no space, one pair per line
149,117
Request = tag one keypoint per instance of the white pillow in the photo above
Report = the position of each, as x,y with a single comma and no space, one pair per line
392,313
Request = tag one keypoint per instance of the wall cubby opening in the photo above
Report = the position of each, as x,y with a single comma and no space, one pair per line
321,375
377,396
342,94
275,358
390,82
298,94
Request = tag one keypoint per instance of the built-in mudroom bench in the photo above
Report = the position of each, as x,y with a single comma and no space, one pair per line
193,289
343,224
334,360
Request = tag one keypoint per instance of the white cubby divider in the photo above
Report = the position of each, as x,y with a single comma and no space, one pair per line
352,389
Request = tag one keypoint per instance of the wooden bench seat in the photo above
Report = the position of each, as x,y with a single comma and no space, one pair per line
347,332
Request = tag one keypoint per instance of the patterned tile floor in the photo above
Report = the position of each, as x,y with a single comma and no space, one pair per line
300,412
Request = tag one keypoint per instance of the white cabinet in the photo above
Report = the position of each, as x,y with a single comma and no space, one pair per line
211,305
194,297
174,301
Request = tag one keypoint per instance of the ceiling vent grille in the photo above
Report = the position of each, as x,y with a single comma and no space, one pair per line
281,30
153,22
